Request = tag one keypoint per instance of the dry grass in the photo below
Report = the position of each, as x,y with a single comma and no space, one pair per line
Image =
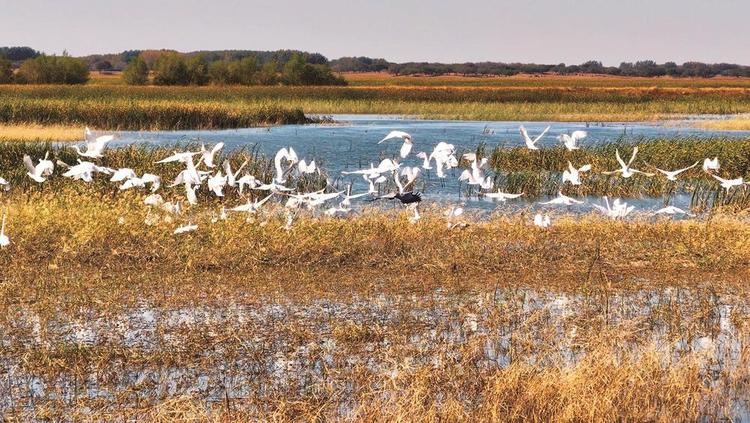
735,124
39,133
104,317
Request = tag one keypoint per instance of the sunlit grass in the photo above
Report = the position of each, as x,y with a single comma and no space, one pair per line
37,132
734,124
126,107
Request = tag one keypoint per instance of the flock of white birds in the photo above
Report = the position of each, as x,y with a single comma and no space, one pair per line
287,163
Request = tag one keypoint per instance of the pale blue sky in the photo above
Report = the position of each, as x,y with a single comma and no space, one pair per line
542,31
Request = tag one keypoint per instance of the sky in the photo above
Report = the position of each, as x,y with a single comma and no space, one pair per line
539,31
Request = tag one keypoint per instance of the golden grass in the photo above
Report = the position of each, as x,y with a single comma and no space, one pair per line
741,123
37,132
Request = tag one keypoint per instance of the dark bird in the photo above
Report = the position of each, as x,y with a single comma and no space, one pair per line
405,198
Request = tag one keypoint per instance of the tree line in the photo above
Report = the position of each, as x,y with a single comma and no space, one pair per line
644,68
43,69
172,68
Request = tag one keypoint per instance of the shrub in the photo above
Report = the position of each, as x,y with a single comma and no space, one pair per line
171,69
197,69
243,71
6,71
218,73
54,70
136,73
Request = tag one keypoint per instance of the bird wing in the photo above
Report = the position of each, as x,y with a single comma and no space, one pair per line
687,168
619,159
525,135
541,135
405,149
632,157
584,168
29,164
216,148
578,135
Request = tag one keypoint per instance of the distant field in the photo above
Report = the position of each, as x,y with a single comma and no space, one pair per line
107,104
379,79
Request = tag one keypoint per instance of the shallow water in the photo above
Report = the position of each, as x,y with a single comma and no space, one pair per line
352,144
280,346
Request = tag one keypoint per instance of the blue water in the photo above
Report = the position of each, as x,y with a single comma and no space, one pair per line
352,143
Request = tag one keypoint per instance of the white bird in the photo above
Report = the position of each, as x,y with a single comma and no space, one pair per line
711,165
562,199
672,210
475,176
672,175
154,180
625,169
411,174
444,156
406,147
531,144
4,182
94,145
179,157
451,215
217,183
38,173
617,210
84,171
416,218
284,154
502,196
571,141
122,174
185,229
192,199
4,240
232,176
190,174
347,201
425,160
727,184
573,175
252,206
248,180
155,200
305,168
208,155
542,221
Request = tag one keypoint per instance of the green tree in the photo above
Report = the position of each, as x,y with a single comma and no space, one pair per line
170,69
293,70
136,73
197,68
218,73
54,70
6,71
268,73
319,75
243,71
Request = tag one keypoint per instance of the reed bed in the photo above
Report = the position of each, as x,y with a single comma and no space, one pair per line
577,81
369,318
122,107
539,172
734,124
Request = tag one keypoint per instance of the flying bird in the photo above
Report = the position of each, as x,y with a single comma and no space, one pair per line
94,145
562,199
531,144
208,155
672,174
41,171
571,141
711,165
4,240
542,221
573,175
625,170
407,145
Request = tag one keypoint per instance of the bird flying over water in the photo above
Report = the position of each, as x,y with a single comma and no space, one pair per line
531,144
571,141
407,145
573,175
